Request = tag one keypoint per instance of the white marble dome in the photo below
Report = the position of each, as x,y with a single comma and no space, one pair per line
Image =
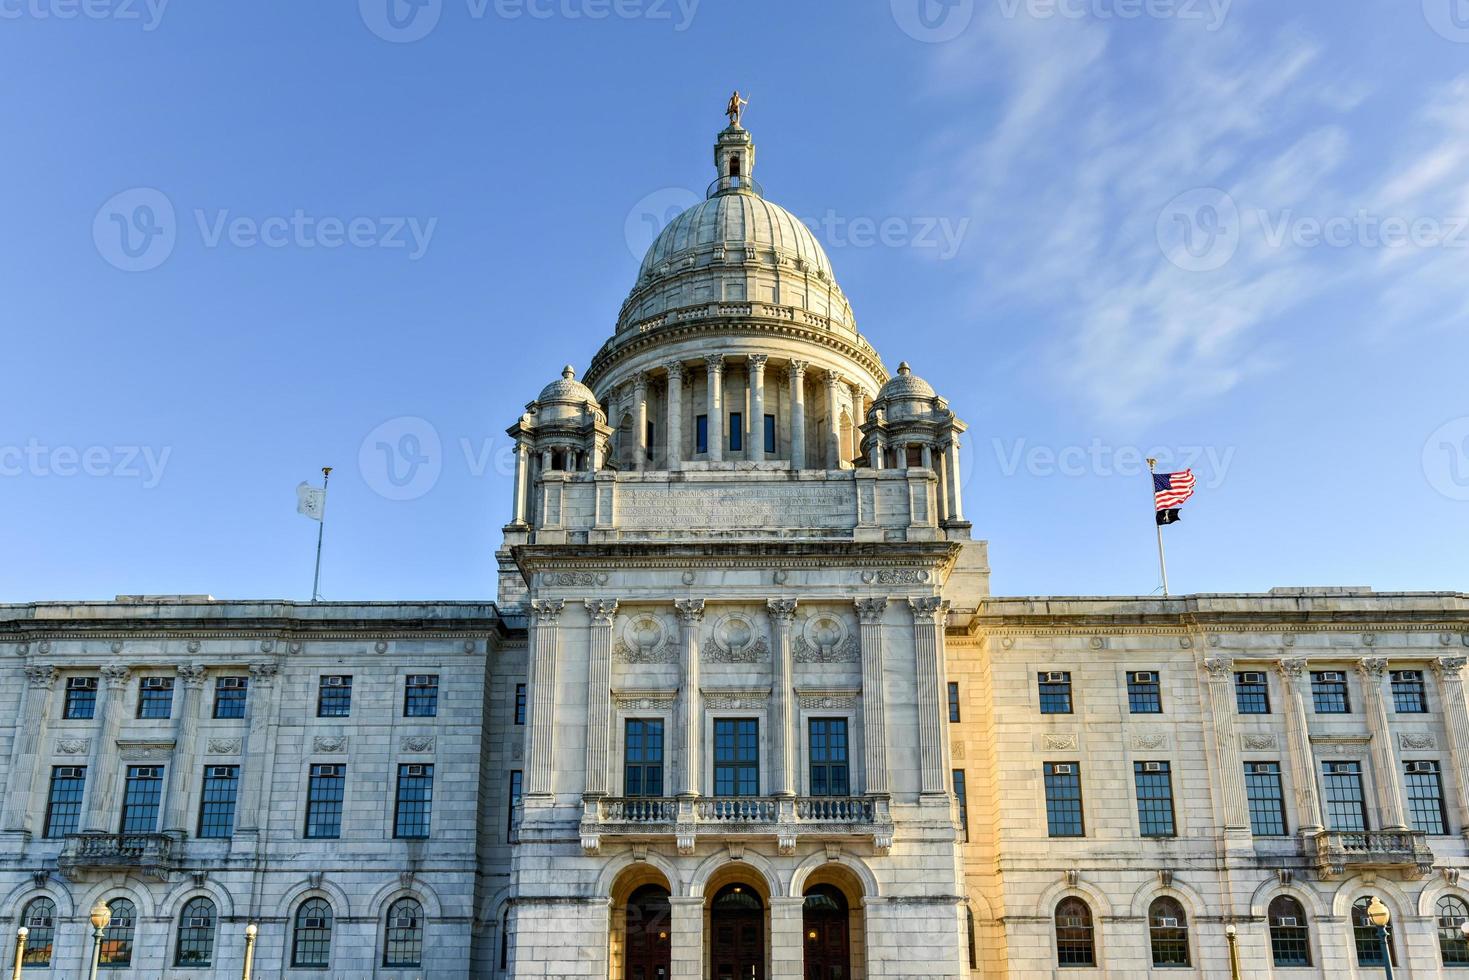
734,220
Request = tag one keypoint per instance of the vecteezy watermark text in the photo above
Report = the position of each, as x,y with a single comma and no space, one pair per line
406,21
1211,13
148,12
943,234
35,459
1209,463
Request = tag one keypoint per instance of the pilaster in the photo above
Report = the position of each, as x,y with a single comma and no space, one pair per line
185,751
261,713
541,724
687,715
782,714
930,614
1298,740
1219,680
874,707
23,776
599,695
1391,810
1450,674
103,773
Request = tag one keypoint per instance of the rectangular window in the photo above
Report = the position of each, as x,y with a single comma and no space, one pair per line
736,432
736,757
1154,782
1251,693
1055,688
229,696
953,701
64,805
770,434
217,802
141,798
155,697
961,797
1425,797
81,698
642,757
1144,692
324,801
517,783
415,801
1267,801
648,434
421,696
701,434
829,773
520,704
334,700
1063,800
1329,692
1408,695
1345,806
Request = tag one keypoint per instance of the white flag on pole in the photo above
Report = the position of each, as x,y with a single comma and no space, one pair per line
311,501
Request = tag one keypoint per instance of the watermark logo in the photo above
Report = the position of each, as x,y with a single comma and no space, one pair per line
35,459
147,12
1097,459
136,229
1446,459
1361,230
647,219
933,21
1210,13
1199,230
942,235
402,458
1450,18
401,21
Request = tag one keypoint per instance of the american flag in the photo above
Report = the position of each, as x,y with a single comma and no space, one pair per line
1170,490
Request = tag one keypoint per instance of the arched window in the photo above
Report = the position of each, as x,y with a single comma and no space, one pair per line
40,918
1290,942
1452,912
403,943
505,941
311,939
1369,947
973,950
1074,946
196,934
1168,932
117,938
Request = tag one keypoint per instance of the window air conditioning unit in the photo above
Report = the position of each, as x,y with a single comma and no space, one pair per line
1152,767
420,680
1407,675
334,681
1287,920
155,683
1062,770
1341,768
1168,922
1330,675
313,923
148,772
416,770
71,772
40,922
1422,767
231,683
221,772
1252,677
1260,767
1072,922
404,922
1056,677
199,922
1144,677
81,683
328,770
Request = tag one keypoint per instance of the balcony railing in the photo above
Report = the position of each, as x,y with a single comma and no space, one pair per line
639,811
150,854
1339,850
736,810
783,818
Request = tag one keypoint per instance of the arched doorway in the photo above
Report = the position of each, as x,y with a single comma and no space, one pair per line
827,934
649,922
737,934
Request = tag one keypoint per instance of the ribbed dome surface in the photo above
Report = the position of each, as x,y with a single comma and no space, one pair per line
567,389
905,385
737,220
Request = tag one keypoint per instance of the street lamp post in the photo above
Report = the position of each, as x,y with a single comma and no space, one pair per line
101,917
1379,915
1232,934
20,951
251,931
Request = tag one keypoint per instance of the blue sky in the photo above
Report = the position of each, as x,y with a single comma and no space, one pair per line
1232,231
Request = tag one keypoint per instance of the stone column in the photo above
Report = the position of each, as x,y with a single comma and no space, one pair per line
1391,810
782,711
787,948
875,455
943,485
102,775
522,467
834,422
926,456
930,614
686,938
874,711
185,751
25,750
1449,671
1220,684
951,474
599,695
688,717
640,419
756,445
260,710
1298,739
674,436
715,408
798,414
858,414
540,751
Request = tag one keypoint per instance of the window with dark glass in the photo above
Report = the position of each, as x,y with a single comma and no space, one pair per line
1345,806
324,793
415,801
1168,932
1144,695
1055,690
736,757
953,701
1365,938
81,698
421,696
1329,692
1154,784
648,435
403,938
961,797
229,696
196,934
334,699
642,751
217,801
142,796
736,432
1063,799
973,946
64,803
1408,694
701,434
1267,800
1424,784
770,433
1290,943
116,949
1452,912
1075,945
517,782
311,935
1251,693
829,765
40,918
520,704
155,697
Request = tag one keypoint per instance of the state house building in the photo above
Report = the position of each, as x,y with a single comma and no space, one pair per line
744,709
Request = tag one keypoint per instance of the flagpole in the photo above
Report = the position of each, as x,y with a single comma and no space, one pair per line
1162,562
326,475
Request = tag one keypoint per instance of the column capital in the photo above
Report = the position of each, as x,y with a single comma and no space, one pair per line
690,611
929,609
798,369
640,381
192,675
547,611
1291,668
1219,668
263,673
832,379
602,610
675,371
1448,668
116,676
756,362
1372,668
870,610
41,675
781,610
715,363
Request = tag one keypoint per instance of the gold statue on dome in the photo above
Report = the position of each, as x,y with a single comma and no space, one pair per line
736,108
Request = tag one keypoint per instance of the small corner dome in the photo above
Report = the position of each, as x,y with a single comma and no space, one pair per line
567,390
906,395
